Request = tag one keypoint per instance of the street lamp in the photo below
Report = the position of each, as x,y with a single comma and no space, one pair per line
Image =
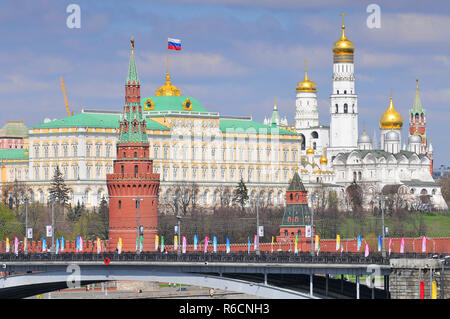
382,199
177,199
256,203
138,244
313,196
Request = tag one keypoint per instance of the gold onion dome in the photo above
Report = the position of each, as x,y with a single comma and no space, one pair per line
343,46
306,85
323,159
391,119
168,89
310,150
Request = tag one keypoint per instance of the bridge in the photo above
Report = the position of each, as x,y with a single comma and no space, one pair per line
271,275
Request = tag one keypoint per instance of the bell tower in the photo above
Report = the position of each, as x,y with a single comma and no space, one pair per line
132,187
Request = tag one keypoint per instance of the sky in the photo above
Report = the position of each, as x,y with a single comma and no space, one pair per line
237,56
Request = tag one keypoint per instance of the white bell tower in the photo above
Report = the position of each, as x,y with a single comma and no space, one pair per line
343,99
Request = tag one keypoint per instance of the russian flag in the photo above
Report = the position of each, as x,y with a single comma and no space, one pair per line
174,44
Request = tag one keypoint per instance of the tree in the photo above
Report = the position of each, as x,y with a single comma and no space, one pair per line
75,213
9,225
58,191
103,219
355,194
241,195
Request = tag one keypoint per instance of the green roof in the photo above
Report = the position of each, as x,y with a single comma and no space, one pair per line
171,103
101,120
245,125
14,153
132,70
14,129
296,184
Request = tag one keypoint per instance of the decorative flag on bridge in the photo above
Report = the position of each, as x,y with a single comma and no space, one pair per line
63,244
215,244
57,246
175,242
162,243
256,242
206,243
25,244
379,243
359,243
16,245
7,244
366,253
174,44
195,242
402,246
248,245
271,247
424,244
99,245
296,244
338,242
81,243
317,244
156,242
228,245
119,245
141,243
184,245
390,243
44,244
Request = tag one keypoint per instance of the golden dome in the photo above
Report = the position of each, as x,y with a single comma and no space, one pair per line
323,159
168,89
343,46
391,119
310,151
306,85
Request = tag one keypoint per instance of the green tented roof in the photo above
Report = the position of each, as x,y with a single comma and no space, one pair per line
14,129
296,184
14,153
101,120
171,103
243,124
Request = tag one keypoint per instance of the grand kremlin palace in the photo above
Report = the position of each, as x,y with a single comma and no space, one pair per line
191,146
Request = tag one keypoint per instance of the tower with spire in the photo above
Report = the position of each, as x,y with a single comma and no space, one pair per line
417,120
306,114
343,99
132,187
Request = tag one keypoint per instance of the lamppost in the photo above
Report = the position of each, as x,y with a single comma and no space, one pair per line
25,249
313,196
382,199
53,250
177,199
256,203
138,238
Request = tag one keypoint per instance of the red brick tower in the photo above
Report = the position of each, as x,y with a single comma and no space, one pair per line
132,188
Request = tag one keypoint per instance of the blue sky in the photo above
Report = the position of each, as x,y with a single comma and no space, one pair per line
237,56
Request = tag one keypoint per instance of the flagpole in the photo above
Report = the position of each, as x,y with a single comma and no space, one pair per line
167,53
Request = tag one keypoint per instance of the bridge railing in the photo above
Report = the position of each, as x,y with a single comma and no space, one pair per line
236,257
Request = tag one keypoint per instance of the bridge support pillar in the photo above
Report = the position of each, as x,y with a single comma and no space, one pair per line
357,286
326,284
386,286
342,284
311,285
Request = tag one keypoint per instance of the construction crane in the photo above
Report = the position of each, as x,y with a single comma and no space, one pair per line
65,97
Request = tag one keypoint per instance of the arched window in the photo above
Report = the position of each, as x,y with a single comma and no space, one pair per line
337,108
337,91
417,116
314,145
345,91
291,197
345,108
120,204
315,134
122,169
135,170
135,154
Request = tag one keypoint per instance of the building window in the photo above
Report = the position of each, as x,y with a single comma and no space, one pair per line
135,170
345,108
120,204
88,150
337,109
98,150
108,150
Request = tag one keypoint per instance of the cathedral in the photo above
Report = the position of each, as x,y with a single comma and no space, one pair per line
193,148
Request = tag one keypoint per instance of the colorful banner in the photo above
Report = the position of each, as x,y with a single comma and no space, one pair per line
424,244
390,243
156,242
141,242
44,245
248,245
366,253
16,245
7,245
175,242
63,244
195,242
184,245
317,243
206,244
255,242
57,246
228,245
402,246
296,244
271,246
25,249
338,242
359,243
119,245
81,243
162,243
99,246
379,242
215,244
